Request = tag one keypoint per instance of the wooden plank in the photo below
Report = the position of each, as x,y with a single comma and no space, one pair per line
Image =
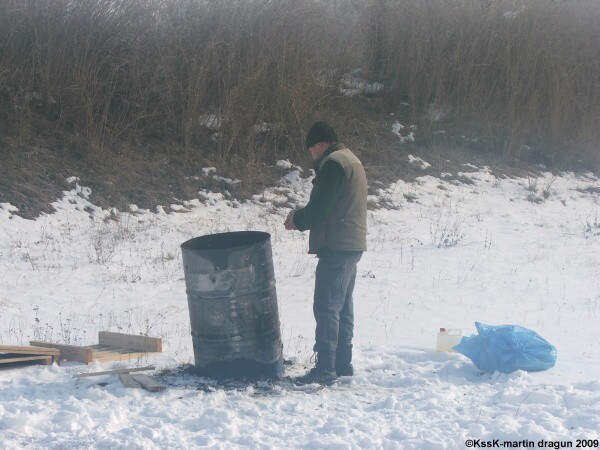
100,350
107,357
46,359
28,350
148,383
69,352
107,354
114,371
130,341
128,381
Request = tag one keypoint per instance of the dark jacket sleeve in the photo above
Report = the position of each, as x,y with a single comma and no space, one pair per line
324,196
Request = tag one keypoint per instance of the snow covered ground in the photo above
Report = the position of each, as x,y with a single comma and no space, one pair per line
444,252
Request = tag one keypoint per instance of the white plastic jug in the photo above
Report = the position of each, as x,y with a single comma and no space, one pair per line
448,338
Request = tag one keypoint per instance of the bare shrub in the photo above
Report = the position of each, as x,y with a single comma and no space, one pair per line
539,192
592,226
114,70
515,71
118,92
106,239
163,86
447,227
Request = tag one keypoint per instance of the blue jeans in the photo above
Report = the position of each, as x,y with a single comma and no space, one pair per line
333,307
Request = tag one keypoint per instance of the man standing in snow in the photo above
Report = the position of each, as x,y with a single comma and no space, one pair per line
336,216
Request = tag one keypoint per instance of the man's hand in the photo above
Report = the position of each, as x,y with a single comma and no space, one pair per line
289,221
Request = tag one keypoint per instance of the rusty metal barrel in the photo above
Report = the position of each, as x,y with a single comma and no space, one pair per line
232,300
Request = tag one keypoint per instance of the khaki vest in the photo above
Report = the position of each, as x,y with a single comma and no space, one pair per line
345,228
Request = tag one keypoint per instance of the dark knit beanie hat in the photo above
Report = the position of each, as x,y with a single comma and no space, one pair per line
320,132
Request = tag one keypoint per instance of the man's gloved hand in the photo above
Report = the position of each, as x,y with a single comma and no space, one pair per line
289,221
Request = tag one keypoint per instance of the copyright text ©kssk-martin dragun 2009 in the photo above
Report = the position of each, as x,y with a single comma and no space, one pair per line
526,443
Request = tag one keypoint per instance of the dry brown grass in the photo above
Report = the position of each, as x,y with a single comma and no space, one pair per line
119,92
516,72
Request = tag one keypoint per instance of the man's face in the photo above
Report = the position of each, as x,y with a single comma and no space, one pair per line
312,152
317,150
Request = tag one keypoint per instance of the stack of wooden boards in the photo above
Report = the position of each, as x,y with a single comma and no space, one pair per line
111,347
13,355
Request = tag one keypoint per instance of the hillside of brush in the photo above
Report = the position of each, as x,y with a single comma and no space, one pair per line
136,97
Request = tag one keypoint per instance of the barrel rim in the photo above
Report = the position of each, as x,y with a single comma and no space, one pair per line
218,241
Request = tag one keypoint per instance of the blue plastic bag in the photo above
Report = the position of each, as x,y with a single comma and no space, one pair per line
507,348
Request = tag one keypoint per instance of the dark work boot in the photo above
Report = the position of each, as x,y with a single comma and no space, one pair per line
322,373
316,375
345,371
343,361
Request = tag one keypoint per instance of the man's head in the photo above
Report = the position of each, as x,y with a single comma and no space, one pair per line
319,138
